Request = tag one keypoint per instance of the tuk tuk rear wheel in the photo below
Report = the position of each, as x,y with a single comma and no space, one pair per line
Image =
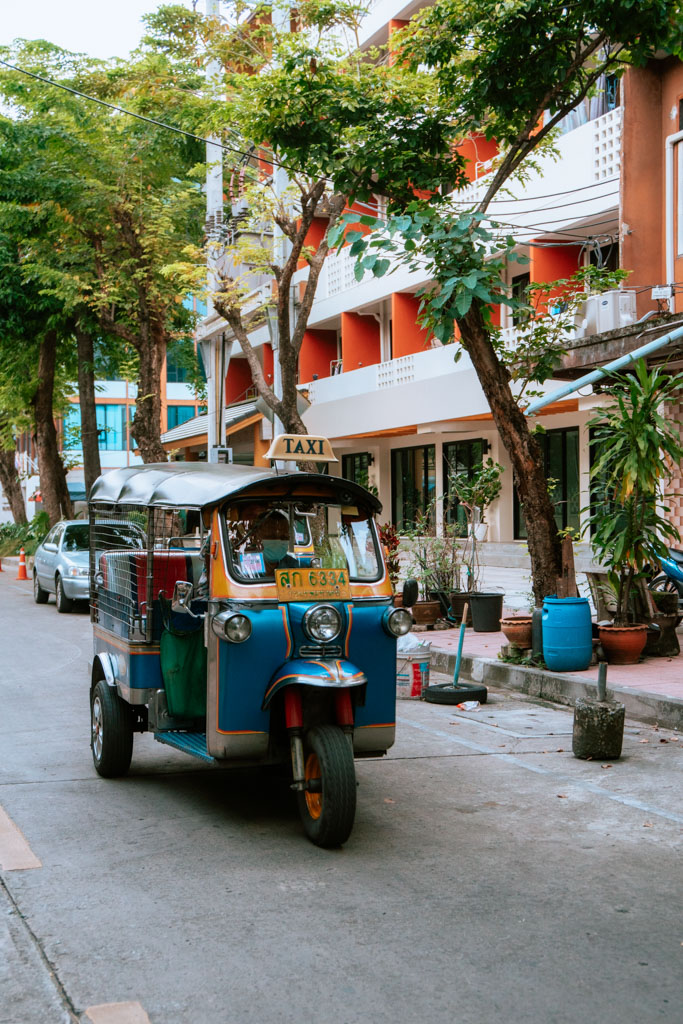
328,811
111,735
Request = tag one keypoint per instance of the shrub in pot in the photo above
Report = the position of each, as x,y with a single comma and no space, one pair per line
435,562
635,448
475,490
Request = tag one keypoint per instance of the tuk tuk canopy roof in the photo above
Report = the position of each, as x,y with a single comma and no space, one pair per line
199,484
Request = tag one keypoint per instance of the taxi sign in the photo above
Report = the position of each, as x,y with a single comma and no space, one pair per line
301,448
312,584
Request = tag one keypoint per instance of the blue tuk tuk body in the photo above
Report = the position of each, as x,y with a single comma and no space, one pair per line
245,617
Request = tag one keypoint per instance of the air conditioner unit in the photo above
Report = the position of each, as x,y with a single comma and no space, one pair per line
609,311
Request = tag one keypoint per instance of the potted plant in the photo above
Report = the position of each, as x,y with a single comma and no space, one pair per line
435,563
636,447
476,491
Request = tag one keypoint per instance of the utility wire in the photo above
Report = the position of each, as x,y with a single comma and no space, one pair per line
270,158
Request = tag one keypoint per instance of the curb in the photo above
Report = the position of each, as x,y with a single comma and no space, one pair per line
652,708
12,561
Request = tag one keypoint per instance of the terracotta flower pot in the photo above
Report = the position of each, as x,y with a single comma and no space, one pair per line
622,645
517,629
426,613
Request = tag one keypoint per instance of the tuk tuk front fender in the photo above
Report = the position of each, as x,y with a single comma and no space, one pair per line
334,674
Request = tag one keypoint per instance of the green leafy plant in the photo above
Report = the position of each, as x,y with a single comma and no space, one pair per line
636,447
435,561
517,657
15,536
476,491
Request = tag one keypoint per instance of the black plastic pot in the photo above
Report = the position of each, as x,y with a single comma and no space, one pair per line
444,599
487,610
460,598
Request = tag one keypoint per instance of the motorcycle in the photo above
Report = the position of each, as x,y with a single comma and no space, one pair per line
670,579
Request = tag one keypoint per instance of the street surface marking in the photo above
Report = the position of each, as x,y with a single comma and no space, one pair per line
117,1013
15,853
567,779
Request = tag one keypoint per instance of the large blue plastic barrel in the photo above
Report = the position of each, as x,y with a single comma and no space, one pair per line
567,634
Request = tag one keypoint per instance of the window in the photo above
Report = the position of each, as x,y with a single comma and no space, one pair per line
111,431
178,414
518,289
561,463
77,537
355,467
176,369
461,457
413,483
71,427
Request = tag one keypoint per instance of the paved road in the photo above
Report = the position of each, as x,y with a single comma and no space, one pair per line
490,877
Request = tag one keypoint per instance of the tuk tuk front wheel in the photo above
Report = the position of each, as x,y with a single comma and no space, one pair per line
328,807
111,738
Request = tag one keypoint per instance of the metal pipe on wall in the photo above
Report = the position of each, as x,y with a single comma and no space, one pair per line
595,375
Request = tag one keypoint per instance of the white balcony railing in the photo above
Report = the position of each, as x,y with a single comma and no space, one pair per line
421,366
599,313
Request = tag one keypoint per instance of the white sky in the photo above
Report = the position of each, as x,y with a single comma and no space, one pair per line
84,26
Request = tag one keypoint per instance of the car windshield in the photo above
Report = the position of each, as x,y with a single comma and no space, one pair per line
76,538
116,535
263,537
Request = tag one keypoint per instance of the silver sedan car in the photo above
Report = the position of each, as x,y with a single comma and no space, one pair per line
61,565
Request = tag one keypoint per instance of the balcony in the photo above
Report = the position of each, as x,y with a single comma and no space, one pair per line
420,388
598,314
583,181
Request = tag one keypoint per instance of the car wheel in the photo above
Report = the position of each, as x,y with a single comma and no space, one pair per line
64,603
40,596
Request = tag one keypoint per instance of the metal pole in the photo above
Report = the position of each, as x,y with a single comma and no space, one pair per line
214,212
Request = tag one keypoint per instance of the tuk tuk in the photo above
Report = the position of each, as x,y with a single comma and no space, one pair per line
244,615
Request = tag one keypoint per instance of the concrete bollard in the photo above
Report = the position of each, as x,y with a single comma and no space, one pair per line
598,724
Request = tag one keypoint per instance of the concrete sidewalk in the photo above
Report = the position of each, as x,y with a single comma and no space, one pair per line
651,691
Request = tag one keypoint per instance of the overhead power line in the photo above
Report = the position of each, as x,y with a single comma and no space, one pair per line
271,159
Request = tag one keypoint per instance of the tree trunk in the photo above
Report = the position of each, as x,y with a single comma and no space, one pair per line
86,398
11,486
524,451
53,488
147,423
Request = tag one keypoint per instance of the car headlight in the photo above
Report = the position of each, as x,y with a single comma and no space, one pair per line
232,626
78,570
322,623
398,621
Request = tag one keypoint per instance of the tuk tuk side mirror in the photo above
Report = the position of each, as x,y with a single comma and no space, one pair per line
182,593
410,592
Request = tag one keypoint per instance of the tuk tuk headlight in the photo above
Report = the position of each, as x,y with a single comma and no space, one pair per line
232,626
398,621
322,623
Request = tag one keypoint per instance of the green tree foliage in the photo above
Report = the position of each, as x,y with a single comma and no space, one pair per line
112,200
510,71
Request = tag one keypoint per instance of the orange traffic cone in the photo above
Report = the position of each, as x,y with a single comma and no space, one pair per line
21,575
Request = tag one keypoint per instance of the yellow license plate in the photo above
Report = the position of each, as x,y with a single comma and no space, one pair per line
312,584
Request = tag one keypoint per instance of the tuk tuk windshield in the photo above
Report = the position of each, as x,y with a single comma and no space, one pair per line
265,536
